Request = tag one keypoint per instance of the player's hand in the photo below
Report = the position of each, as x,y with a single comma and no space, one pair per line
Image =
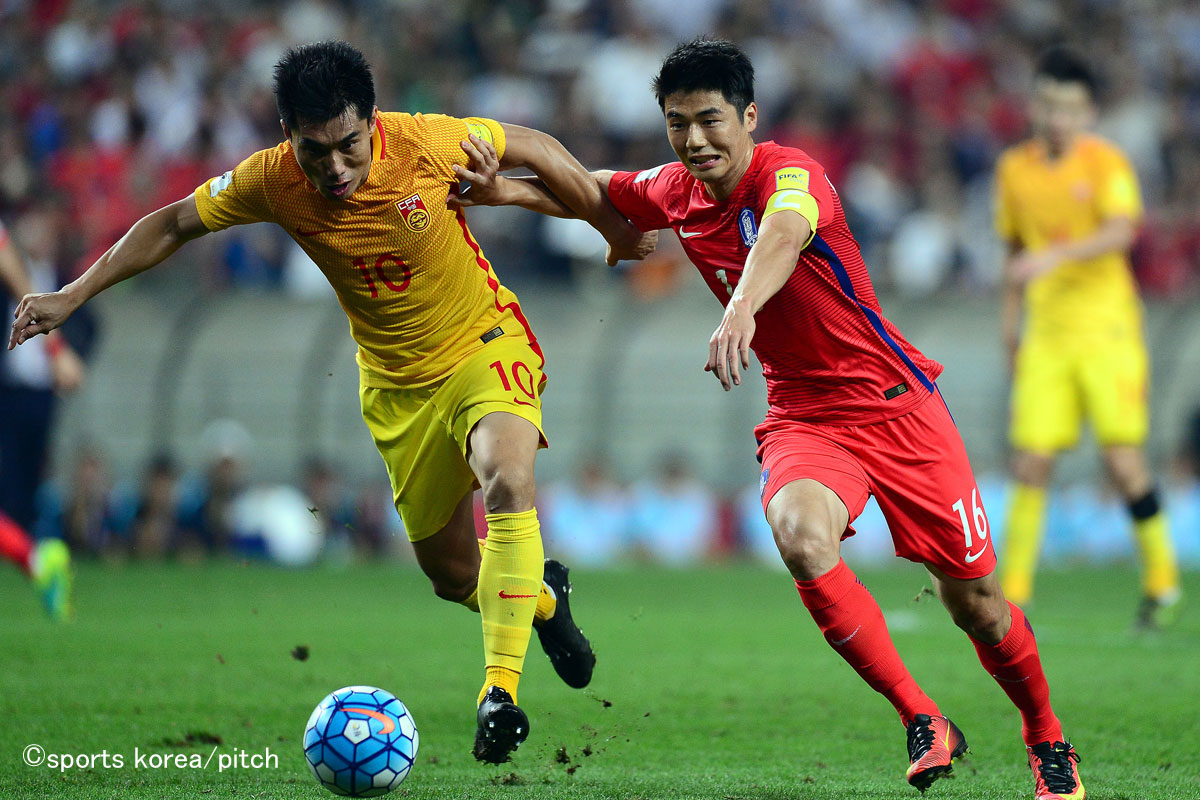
39,313
730,345
1027,265
484,184
67,369
634,249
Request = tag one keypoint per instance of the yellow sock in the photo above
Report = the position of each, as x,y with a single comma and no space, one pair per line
546,602
510,580
503,677
1022,541
1160,570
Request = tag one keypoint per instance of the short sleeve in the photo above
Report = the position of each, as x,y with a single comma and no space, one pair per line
1118,194
238,197
1005,222
790,184
443,137
638,195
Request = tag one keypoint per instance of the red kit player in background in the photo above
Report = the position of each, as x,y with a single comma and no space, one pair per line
853,407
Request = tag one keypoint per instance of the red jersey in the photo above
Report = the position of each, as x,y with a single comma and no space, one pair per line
827,351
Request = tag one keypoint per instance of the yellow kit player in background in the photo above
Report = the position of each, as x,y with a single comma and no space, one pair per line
450,371
1068,206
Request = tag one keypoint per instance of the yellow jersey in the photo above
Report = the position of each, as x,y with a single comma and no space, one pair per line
415,285
1039,202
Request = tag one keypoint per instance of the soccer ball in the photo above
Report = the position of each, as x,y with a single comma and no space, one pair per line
360,741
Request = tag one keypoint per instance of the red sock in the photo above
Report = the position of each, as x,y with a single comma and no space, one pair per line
15,544
853,625
1016,666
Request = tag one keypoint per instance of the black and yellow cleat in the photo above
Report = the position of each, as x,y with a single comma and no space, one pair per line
569,650
1055,768
502,726
933,745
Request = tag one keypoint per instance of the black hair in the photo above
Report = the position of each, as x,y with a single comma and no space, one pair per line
707,65
321,81
1064,65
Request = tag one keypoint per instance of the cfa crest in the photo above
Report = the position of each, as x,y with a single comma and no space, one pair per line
747,227
416,216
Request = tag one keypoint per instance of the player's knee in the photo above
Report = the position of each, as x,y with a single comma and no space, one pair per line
508,489
982,617
805,544
453,588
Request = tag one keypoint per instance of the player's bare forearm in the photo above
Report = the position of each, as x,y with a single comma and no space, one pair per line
772,259
147,243
567,180
771,262
13,275
1115,235
531,193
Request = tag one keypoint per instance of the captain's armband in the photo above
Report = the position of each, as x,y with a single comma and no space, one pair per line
796,200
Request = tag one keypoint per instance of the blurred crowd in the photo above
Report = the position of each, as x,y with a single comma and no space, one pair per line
592,518
109,110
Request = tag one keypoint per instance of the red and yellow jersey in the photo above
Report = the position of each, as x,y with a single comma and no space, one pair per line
1040,202
413,281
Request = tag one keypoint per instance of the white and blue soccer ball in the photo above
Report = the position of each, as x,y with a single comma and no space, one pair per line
360,742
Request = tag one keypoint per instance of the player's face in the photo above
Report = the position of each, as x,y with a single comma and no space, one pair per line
710,138
1061,110
335,155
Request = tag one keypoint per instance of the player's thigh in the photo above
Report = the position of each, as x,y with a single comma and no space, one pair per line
427,469
1114,380
922,479
493,408
1046,403
811,486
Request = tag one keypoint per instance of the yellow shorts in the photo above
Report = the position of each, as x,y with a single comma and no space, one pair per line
1055,388
422,433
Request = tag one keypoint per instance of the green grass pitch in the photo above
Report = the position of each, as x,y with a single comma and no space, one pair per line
711,683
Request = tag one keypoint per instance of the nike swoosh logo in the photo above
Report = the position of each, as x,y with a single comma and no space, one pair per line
388,725
686,235
514,596
314,232
972,557
840,642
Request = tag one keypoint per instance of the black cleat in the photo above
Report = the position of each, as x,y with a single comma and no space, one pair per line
502,727
569,650
934,743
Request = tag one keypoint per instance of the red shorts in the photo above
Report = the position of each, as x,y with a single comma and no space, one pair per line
915,465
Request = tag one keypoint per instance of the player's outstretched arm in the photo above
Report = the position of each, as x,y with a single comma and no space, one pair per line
770,263
486,187
148,242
